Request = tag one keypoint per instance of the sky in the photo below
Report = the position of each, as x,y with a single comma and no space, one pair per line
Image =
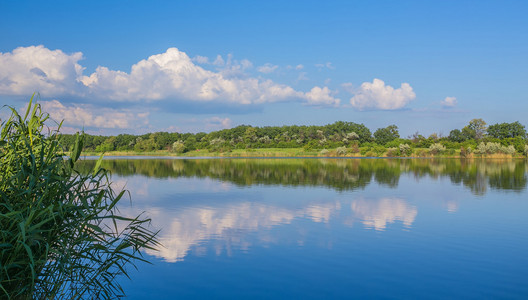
112,67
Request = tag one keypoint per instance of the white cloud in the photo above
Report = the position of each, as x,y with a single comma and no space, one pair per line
267,68
86,115
297,67
219,61
377,95
321,96
325,65
449,101
36,68
302,76
217,123
201,59
171,75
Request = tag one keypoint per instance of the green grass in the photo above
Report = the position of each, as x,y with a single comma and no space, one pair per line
290,152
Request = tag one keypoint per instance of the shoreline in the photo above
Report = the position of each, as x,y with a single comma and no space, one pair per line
290,153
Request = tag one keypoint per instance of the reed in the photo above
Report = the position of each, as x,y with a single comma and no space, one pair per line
61,234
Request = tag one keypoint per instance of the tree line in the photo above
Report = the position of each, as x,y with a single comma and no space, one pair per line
476,136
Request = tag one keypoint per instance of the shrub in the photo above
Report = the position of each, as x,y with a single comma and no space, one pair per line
525,150
324,152
437,148
178,147
354,147
392,152
420,153
60,232
508,150
464,152
405,149
341,151
491,148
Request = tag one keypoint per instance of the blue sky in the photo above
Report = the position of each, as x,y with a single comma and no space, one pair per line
136,66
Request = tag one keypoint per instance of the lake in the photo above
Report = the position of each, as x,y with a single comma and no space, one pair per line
329,228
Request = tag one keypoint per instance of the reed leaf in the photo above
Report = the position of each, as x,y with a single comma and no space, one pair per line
56,241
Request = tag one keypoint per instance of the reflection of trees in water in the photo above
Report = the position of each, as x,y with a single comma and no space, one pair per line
340,174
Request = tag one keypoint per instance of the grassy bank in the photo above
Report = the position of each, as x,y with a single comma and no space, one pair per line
300,152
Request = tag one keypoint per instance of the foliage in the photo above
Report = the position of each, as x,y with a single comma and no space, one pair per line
393,152
61,235
387,134
507,130
178,147
456,136
476,129
437,148
341,151
405,149
332,136
491,148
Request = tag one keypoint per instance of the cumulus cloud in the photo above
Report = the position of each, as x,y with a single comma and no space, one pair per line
87,115
377,95
36,68
267,68
171,76
449,102
321,96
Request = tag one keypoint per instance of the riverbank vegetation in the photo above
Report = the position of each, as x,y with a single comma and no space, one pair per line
333,140
61,235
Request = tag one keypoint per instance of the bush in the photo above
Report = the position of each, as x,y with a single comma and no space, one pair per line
405,149
60,233
324,152
354,147
437,148
465,152
178,147
341,151
508,150
491,148
525,150
392,152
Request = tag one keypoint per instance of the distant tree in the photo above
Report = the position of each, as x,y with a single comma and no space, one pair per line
178,147
507,130
250,135
456,136
387,134
476,129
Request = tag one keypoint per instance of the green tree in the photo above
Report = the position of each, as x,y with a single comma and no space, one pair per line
507,130
476,129
387,134
456,136
250,135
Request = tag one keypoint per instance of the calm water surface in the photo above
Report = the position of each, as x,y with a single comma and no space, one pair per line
340,228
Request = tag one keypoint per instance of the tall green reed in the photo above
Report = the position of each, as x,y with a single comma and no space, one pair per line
61,234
